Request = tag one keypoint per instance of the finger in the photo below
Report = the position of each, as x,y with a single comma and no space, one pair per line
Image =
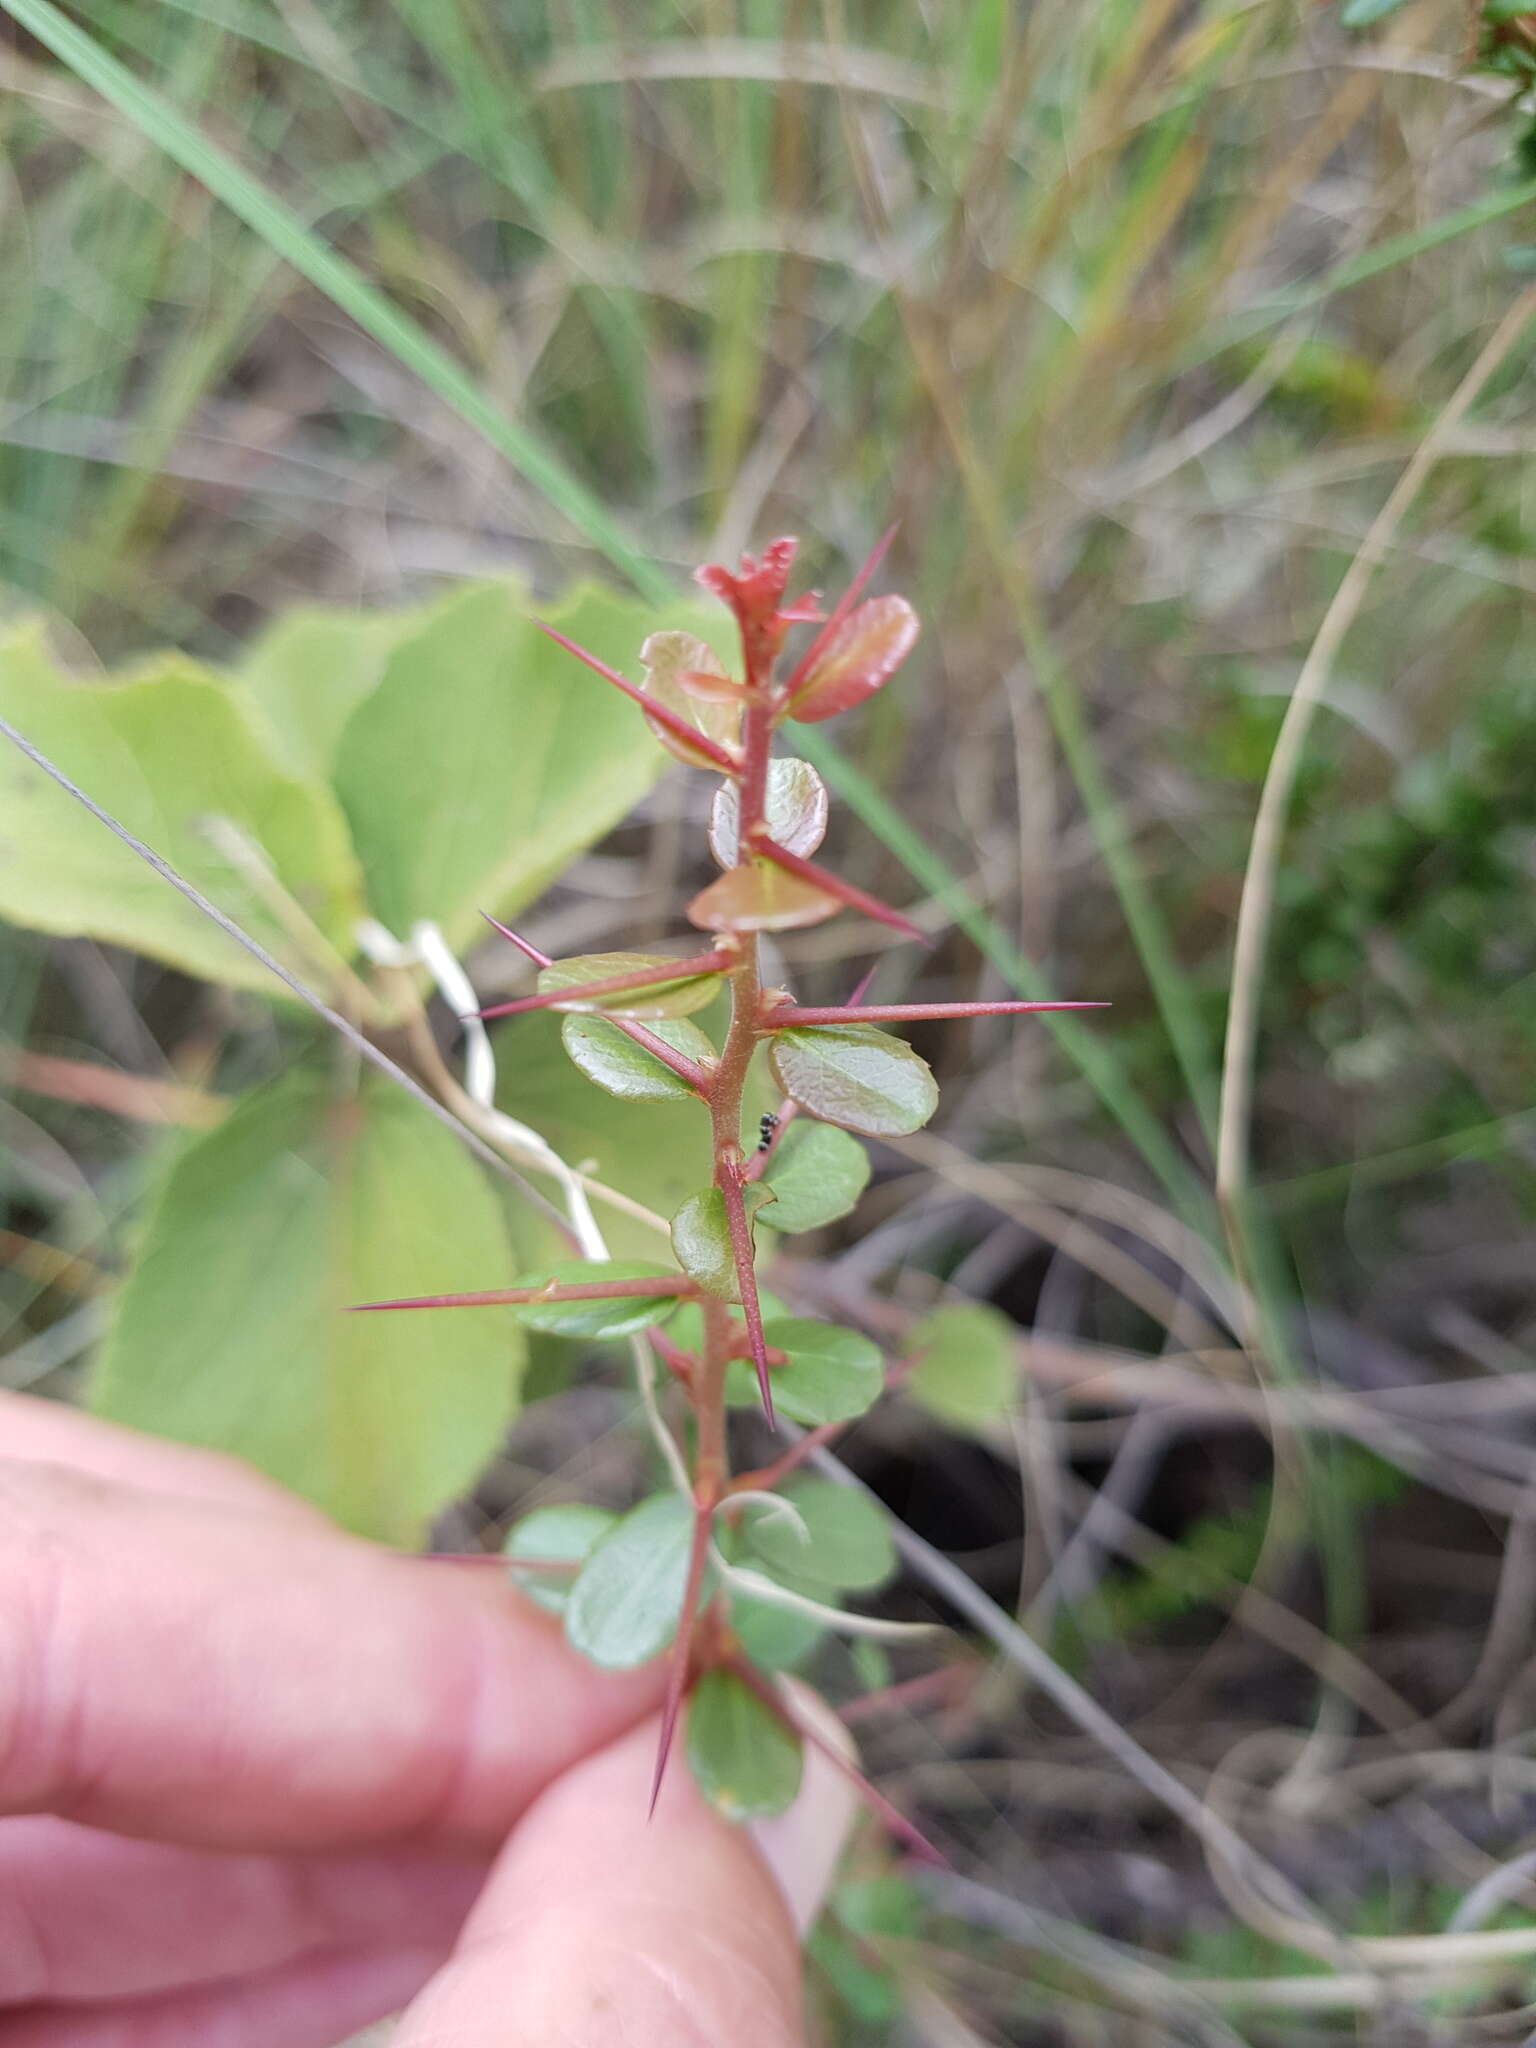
312,2004
195,1674
85,1915
601,1927
47,1432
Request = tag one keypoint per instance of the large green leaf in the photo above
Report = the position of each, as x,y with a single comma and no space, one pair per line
829,1374
309,671
171,753
487,756
232,1329
657,1152
818,1174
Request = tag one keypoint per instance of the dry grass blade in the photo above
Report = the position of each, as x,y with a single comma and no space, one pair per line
1256,903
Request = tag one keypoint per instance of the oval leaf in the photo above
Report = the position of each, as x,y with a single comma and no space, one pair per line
856,1076
863,654
666,998
229,1331
846,1545
967,1368
795,807
774,1638
565,1534
744,1760
666,658
760,898
619,1316
607,1056
624,1607
818,1173
830,1374
701,1238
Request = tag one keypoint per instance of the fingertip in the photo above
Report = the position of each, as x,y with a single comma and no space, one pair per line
601,1926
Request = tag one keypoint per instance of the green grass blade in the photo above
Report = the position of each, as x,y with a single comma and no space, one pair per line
341,282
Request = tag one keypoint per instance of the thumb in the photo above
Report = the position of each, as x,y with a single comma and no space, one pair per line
598,1926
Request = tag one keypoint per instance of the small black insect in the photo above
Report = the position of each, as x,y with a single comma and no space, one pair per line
766,1129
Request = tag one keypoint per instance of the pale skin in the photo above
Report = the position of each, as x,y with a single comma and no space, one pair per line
262,1783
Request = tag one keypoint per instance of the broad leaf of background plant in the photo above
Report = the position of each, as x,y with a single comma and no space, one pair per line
487,756
656,1152
232,1329
310,669
166,751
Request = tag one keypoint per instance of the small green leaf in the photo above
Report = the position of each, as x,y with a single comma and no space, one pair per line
856,1076
173,754
701,1238
818,1173
614,1317
565,1534
831,1374
624,1607
846,1547
676,998
743,1758
230,1329
968,1368
794,808
774,1638
609,1057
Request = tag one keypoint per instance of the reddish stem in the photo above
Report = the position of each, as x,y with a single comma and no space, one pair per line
698,742
746,1280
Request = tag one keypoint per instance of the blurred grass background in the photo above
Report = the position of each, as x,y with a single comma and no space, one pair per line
1130,313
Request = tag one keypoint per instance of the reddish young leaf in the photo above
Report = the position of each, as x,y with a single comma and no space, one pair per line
794,810
761,898
687,725
858,658
840,610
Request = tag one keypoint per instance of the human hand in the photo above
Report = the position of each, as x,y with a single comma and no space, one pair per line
254,1774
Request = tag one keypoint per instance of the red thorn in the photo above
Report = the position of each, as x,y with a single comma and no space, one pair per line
690,735
863,988
911,1013
834,885
637,978
539,959
659,1286
890,1815
677,1668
